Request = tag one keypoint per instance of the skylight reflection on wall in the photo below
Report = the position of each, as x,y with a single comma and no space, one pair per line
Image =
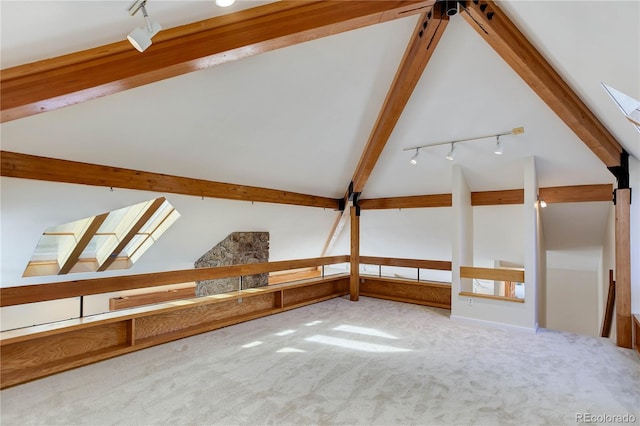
113,240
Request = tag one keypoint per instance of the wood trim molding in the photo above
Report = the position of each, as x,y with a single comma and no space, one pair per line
517,51
495,198
440,265
78,77
577,193
417,201
490,296
27,166
423,43
502,274
10,296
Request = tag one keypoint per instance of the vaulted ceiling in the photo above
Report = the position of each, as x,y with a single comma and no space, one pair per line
298,118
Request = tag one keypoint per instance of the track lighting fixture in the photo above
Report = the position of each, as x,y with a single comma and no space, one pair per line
414,159
140,38
451,155
225,3
499,149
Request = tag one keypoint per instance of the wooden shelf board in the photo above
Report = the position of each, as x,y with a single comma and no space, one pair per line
489,296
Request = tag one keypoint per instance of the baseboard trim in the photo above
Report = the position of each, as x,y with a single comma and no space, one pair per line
509,327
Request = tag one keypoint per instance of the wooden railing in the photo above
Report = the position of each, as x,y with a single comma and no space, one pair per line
429,293
10,296
508,275
33,352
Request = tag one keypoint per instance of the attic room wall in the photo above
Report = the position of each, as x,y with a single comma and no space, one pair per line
634,169
29,207
608,262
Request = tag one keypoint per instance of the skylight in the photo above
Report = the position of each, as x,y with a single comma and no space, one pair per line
113,240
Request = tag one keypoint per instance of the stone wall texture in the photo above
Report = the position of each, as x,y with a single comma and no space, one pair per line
238,248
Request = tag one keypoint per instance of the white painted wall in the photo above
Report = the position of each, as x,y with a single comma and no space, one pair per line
521,316
498,234
608,262
572,299
634,169
29,207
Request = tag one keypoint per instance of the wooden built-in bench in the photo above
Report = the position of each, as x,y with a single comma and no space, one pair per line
33,352
426,293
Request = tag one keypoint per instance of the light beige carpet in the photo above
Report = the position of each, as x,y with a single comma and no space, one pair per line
341,362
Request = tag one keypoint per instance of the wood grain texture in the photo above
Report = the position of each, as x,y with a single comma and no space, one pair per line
354,283
636,331
35,352
201,316
125,302
517,51
82,243
294,276
623,268
421,293
26,166
490,296
515,275
417,201
577,193
441,265
66,80
10,296
607,319
495,198
142,220
298,296
423,43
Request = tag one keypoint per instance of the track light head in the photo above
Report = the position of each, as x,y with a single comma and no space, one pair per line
225,3
452,154
414,159
499,148
140,38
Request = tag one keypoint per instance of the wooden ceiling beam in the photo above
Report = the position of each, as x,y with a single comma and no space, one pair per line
27,166
423,43
417,201
54,83
516,50
556,194
577,193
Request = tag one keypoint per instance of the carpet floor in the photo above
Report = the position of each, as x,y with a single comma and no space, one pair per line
339,362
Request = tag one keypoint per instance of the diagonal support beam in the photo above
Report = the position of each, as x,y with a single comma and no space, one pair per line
151,210
506,39
88,234
423,43
78,77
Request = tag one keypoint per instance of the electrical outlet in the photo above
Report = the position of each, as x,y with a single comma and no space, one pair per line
469,301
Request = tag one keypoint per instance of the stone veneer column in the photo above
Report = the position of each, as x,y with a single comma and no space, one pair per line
237,249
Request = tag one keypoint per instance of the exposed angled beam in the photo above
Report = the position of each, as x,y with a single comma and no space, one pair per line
507,40
416,201
82,243
51,169
336,230
54,83
142,220
423,43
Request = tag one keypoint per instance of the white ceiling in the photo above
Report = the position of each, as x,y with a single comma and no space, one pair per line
298,118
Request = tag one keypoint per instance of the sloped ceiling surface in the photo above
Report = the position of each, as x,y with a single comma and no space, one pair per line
298,118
